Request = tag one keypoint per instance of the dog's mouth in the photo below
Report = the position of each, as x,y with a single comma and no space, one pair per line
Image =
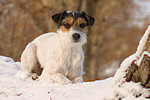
76,41
79,42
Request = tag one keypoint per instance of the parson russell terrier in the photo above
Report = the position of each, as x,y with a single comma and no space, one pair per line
59,56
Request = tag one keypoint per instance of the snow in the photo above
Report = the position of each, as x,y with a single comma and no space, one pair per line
14,85
142,42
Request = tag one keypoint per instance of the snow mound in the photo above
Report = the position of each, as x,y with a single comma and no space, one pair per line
15,86
119,89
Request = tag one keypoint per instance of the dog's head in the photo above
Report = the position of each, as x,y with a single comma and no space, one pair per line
74,24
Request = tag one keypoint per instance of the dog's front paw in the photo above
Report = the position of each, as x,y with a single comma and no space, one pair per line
59,78
65,82
78,80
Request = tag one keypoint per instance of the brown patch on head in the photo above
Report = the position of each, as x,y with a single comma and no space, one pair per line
80,20
66,24
63,29
68,20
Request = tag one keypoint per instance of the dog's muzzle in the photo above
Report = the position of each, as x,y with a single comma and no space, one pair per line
76,36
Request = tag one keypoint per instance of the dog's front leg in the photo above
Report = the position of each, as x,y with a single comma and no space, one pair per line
77,68
77,73
78,80
56,77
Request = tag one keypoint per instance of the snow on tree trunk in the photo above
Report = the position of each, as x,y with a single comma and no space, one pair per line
132,80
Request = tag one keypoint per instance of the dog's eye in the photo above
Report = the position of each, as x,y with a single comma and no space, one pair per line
82,25
67,25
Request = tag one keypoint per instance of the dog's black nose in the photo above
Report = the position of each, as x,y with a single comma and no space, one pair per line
76,36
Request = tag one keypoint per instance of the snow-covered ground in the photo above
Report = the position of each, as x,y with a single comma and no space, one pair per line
15,86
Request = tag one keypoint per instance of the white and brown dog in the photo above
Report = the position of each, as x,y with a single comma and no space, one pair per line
59,56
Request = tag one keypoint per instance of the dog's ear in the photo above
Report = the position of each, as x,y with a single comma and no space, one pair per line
58,17
90,19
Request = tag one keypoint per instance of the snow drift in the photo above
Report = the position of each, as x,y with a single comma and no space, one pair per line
14,85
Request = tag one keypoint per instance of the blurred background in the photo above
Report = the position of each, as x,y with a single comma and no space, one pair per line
119,25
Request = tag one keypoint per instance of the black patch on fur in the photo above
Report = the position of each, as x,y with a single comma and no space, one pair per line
91,20
60,16
88,18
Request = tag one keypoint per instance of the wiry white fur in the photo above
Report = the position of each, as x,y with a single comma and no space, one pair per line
60,57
